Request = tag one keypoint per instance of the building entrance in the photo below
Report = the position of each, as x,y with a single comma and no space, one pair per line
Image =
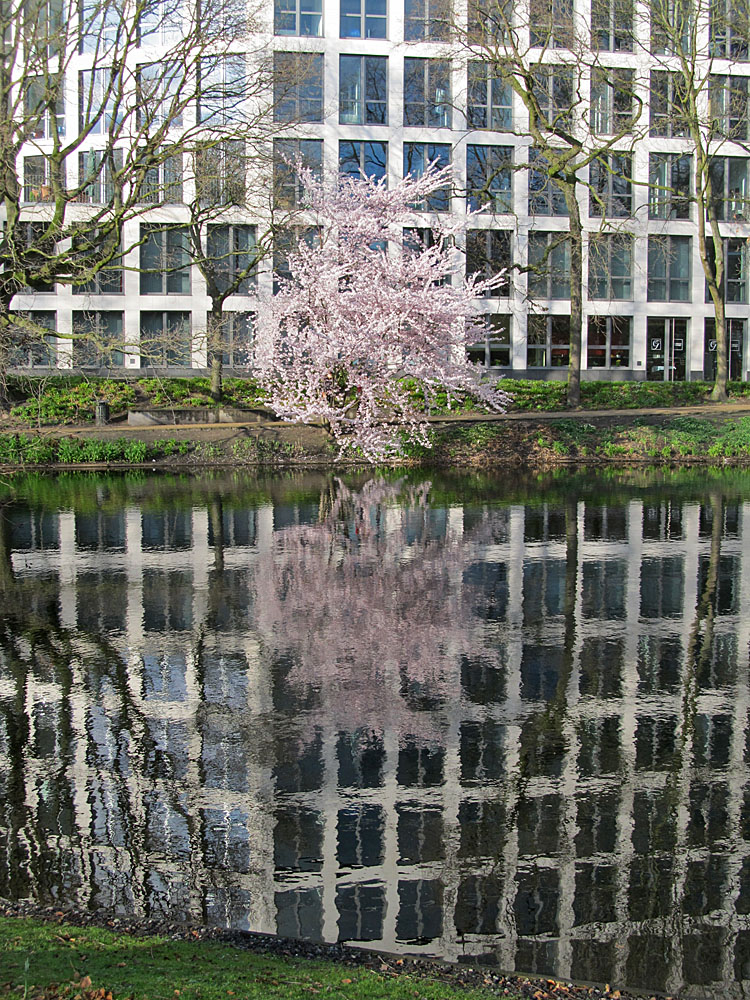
666,350
735,343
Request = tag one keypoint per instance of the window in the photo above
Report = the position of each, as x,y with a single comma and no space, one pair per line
237,334
671,26
549,263
298,87
285,242
165,338
38,178
42,23
287,153
666,115
488,178
417,157
551,23
220,173
548,341
417,239
363,159
98,105
609,342
610,186
610,266
488,251
160,94
493,350
490,21
231,258
427,92
363,18
728,104
32,348
730,189
44,107
363,90
35,250
735,268
427,20
611,100
490,100
96,170
545,197
165,260
97,339
162,182
160,22
729,29
99,26
612,25
669,261
222,88
553,89
89,252
669,186
298,17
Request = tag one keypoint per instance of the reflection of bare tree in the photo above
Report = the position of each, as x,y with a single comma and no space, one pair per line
369,605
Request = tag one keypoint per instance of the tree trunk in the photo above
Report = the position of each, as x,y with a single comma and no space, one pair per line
215,353
719,391
576,297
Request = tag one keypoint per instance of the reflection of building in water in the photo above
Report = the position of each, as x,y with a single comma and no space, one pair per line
581,807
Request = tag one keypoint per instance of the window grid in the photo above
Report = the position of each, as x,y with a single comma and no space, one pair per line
610,186
609,339
610,266
548,341
669,262
427,93
363,90
490,99
489,178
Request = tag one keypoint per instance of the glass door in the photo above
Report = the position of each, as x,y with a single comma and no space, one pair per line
666,350
736,338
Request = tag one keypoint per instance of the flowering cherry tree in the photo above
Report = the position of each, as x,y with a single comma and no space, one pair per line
364,308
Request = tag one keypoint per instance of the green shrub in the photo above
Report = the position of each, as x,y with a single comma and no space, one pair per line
135,452
68,401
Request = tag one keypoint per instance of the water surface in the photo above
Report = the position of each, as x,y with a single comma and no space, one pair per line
471,718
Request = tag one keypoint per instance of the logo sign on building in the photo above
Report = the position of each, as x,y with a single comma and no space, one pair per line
712,345
679,345
656,345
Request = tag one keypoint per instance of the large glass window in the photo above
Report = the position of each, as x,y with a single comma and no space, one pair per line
730,188
162,182
100,26
44,106
548,341
493,350
165,338
98,105
97,339
551,23
669,186
285,242
610,186
363,90
611,100
427,20
488,178
89,253
288,191
610,266
490,21
363,159
231,257
729,106
220,173
165,260
298,86
96,173
32,348
38,178
417,157
298,17
609,342
549,265
427,92
735,268
160,22
237,339
612,25
671,26
223,83
667,113
553,89
545,197
729,30
488,252
669,260
160,93
363,18
490,99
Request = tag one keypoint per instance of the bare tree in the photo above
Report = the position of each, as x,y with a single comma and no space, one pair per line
708,110
145,100
580,116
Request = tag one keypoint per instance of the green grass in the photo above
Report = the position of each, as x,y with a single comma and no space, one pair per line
30,449
54,960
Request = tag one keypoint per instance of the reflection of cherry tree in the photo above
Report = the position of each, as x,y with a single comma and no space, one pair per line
369,606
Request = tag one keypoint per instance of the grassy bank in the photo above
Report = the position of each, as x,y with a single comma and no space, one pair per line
39,959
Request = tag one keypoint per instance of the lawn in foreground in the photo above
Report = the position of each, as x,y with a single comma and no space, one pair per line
57,960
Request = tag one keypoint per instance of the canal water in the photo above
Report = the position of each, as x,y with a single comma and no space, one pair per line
486,719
